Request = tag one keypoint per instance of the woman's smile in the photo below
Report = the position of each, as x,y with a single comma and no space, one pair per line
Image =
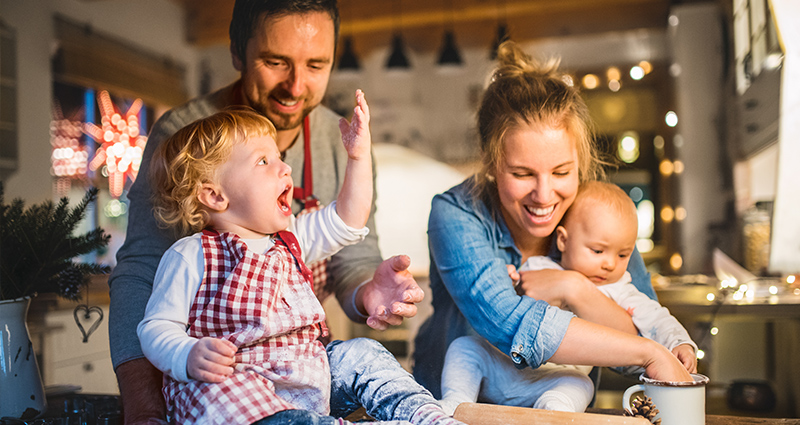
537,180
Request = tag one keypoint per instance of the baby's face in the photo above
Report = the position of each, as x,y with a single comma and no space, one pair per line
598,243
259,188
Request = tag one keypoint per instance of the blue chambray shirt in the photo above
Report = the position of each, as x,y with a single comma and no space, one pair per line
470,247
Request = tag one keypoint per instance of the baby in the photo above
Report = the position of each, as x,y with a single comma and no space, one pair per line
233,321
596,238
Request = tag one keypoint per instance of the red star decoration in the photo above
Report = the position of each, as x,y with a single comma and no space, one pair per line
121,145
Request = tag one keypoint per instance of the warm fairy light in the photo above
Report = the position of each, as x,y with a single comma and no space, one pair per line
614,85
797,291
671,118
737,296
673,20
666,167
590,81
628,147
678,166
68,159
667,214
700,354
773,290
790,279
613,73
637,73
676,261
120,153
646,66
680,213
714,330
115,208
710,296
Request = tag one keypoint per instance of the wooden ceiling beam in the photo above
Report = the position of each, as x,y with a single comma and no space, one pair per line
371,22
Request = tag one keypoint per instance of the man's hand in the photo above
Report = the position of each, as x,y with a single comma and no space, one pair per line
685,353
391,295
211,360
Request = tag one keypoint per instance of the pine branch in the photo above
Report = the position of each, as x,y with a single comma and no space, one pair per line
38,247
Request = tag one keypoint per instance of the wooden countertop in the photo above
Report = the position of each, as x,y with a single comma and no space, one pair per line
488,414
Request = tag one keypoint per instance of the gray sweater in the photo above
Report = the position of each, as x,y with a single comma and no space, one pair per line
131,282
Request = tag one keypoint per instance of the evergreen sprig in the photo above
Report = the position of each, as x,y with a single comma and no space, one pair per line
38,248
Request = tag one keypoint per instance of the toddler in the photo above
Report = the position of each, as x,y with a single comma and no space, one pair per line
596,238
233,321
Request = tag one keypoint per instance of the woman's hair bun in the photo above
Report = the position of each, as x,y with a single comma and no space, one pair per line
513,62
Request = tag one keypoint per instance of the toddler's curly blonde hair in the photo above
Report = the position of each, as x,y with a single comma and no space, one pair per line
192,157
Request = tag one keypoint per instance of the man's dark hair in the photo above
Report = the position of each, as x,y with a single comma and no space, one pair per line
248,13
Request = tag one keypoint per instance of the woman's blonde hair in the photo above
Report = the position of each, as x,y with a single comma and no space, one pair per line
526,92
192,157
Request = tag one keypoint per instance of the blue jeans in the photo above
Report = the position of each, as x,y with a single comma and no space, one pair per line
297,417
363,373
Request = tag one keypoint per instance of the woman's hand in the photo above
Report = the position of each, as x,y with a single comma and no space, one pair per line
211,360
685,353
550,285
572,291
664,366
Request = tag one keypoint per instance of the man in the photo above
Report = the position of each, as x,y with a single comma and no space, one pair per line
284,50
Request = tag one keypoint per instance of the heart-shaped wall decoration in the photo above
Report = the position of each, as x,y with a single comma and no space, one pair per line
84,314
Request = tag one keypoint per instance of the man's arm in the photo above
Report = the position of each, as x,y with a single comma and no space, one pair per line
354,273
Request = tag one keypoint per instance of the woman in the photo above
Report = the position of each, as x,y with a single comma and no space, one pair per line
536,148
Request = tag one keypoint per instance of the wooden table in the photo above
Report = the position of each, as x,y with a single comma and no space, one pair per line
489,414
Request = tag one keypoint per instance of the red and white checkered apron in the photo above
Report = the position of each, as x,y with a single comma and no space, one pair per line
264,304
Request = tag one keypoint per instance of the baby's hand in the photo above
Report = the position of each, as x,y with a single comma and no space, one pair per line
211,360
685,353
355,134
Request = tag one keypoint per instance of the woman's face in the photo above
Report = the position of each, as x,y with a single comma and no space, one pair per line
536,181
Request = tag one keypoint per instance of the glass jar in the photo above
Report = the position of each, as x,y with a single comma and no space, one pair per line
756,235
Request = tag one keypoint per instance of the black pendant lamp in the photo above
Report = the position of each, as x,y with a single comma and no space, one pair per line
348,61
449,54
502,35
398,58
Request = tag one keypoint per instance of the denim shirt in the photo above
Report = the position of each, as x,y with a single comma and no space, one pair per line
470,247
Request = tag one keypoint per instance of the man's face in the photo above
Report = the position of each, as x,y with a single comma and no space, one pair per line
287,66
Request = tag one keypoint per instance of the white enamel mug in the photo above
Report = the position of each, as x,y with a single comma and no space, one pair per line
678,403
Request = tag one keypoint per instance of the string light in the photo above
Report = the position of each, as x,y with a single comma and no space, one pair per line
68,158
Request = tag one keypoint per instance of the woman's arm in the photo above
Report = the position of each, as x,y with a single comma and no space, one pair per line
470,254
591,344
573,291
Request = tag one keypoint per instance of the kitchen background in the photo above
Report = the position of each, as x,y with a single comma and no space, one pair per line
698,99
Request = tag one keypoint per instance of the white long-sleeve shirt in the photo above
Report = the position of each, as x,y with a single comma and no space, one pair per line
162,332
651,318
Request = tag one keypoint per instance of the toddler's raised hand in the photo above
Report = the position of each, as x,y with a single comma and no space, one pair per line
355,134
211,360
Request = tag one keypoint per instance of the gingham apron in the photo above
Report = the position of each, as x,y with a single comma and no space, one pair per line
262,303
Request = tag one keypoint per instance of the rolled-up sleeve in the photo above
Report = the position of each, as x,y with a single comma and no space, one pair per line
465,251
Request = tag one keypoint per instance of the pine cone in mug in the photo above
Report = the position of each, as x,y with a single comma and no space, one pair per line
643,408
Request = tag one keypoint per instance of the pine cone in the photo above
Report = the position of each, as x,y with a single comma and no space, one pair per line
644,408
70,281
